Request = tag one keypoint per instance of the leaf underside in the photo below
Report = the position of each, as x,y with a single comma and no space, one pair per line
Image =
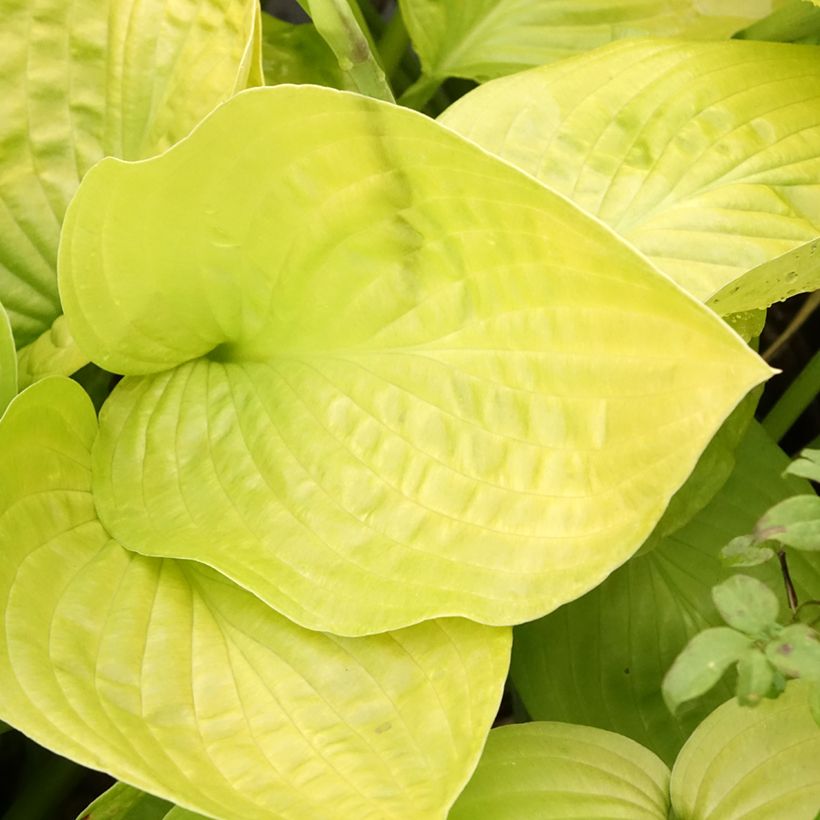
397,377
175,680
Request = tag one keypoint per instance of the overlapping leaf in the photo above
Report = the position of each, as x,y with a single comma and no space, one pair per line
600,660
739,763
743,763
177,681
84,79
387,376
8,362
703,155
554,771
297,54
489,38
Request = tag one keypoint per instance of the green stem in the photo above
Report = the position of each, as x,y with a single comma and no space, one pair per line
791,594
801,317
799,395
337,22
393,43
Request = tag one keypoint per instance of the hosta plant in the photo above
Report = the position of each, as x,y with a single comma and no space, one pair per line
356,389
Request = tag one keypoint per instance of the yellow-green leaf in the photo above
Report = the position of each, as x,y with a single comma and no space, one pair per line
750,763
376,375
84,79
705,156
178,682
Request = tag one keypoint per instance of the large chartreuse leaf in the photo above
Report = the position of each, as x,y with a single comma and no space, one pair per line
754,764
8,361
555,771
175,680
481,39
706,156
600,660
387,377
87,78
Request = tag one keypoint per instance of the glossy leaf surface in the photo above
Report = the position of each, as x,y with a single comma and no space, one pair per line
703,155
84,79
481,39
600,660
751,763
554,771
387,376
175,680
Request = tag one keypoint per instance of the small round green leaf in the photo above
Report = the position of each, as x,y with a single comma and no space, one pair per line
746,604
702,664
751,763
554,771
755,677
806,465
794,522
744,552
796,652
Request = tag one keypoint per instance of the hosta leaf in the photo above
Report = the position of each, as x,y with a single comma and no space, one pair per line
541,771
713,469
600,660
746,604
703,155
794,522
123,802
84,79
751,763
389,377
8,362
793,272
175,680
796,652
702,664
53,353
297,54
489,38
